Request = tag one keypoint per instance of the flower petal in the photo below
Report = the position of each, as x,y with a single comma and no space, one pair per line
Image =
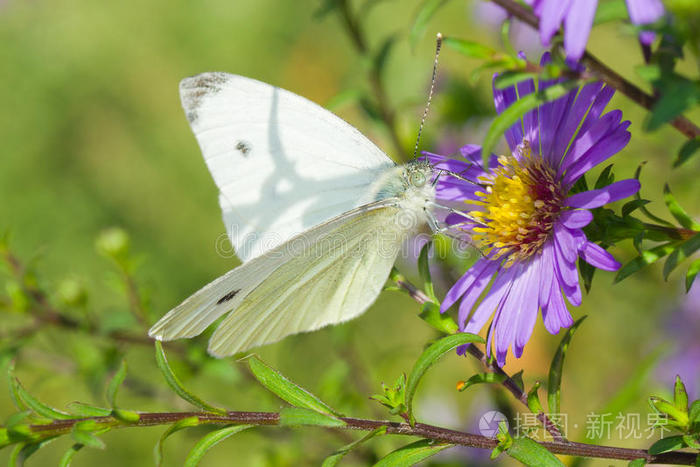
598,257
501,286
596,198
474,292
602,150
577,26
644,11
576,219
553,12
504,98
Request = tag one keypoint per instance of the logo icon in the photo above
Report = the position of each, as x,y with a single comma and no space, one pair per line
488,423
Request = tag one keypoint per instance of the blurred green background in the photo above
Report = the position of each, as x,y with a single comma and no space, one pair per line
93,136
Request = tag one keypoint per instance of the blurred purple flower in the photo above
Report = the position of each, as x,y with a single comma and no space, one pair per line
684,329
522,217
577,17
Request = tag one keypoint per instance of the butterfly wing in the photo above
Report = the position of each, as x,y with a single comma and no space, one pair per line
282,163
328,274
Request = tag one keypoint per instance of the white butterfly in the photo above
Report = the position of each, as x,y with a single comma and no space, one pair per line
316,212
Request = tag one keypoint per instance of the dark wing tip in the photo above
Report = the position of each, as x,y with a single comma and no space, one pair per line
194,89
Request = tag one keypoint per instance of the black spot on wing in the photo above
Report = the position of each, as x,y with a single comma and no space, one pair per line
227,297
195,88
244,148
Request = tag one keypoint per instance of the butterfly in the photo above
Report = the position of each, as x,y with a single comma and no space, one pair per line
315,211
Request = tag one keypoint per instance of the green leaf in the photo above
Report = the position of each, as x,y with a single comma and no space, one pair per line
85,437
511,78
335,458
687,151
175,384
680,254
443,322
115,383
383,54
22,452
470,48
679,94
638,463
646,258
677,211
36,405
691,274
605,178
533,399
482,378
556,368
668,444
680,396
514,112
633,205
210,440
424,272
532,453
175,427
425,12
412,453
286,389
342,98
428,358
296,416
67,458
694,412
86,410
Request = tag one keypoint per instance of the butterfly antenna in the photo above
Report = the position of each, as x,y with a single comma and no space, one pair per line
438,46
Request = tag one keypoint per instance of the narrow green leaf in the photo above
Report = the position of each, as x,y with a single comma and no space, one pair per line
638,463
511,78
286,389
86,438
513,113
443,322
335,458
412,453
680,254
296,416
382,55
175,384
175,427
677,211
37,406
425,12
210,440
22,452
646,258
633,205
556,368
687,151
680,396
605,178
115,383
428,358
482,378
424,271
85,410
668,444
691,274
17,418
68,456
470,48
533,399
694,412
342,98
532,453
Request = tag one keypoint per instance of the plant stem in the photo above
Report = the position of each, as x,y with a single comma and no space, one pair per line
443,435
601,71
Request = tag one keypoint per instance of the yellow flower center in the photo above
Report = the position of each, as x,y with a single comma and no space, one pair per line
518,208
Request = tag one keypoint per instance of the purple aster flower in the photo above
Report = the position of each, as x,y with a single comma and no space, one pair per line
577,17
522,217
